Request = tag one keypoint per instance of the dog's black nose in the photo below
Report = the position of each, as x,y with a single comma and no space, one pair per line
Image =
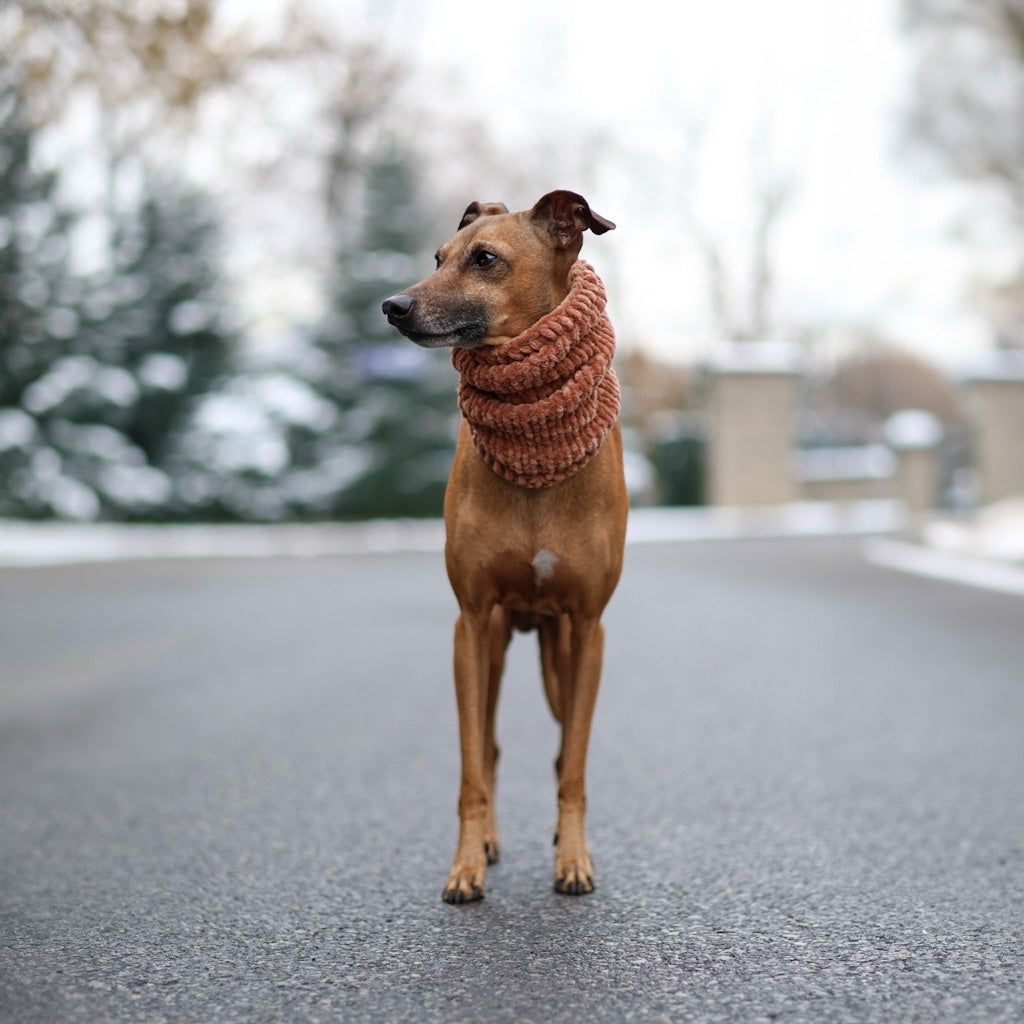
398,307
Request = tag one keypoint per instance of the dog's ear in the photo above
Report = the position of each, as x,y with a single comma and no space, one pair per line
566,215
475,210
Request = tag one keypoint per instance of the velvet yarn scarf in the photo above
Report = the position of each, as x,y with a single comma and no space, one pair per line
539,406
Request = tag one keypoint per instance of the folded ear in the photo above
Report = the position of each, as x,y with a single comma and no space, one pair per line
566,215
475,210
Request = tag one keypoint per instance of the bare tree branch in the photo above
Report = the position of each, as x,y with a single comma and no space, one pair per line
968,108
968,114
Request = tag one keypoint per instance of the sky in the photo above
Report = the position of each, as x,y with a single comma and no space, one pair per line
708,93
665,116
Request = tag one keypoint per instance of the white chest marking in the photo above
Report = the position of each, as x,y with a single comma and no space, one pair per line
543,565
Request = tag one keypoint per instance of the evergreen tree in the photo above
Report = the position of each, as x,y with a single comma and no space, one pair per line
38,316
359,423
152,326
158,311
32,255
396,400
97,374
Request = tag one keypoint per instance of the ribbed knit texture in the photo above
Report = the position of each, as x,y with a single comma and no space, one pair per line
540,405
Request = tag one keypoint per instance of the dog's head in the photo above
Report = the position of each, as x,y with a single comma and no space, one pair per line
498,274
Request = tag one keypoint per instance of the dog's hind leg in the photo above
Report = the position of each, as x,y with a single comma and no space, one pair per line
574,871
571,670
555,653
500,635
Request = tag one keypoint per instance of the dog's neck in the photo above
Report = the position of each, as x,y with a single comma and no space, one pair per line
540,405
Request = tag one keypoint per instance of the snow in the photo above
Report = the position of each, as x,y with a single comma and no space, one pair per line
937,563
230,413
996,532
855,462
68,497
332,474
980,553
52,543
291,401
800,519
190,316
162,371
257,403
97,441
62,323
985,551
244,427
240,451
54,386
17,429
913,428
74,373
135,486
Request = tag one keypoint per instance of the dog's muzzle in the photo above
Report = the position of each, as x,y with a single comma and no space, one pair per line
463,326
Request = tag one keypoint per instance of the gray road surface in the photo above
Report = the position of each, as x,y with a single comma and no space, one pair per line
227,793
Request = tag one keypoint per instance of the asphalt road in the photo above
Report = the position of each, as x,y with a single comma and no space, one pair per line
227,793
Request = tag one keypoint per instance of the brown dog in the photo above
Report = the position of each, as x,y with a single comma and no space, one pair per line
543,557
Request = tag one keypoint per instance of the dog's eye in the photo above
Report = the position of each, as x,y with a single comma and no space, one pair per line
483,258
437,258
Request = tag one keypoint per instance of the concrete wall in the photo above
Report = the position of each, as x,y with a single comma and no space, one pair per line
995,410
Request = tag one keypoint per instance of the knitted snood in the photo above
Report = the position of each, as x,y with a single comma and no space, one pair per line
539,406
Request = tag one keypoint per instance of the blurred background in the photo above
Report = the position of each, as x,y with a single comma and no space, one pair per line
817,280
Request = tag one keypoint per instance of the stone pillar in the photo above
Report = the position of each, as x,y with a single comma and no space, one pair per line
752,420
915,435
995,410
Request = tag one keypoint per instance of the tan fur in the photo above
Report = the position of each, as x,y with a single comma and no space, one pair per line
545,559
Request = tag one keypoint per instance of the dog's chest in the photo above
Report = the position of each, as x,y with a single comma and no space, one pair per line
544,583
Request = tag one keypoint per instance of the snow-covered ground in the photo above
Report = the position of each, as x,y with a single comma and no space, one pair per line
997,531
986,550
53,543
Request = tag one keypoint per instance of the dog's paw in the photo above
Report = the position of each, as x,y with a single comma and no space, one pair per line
464,885
574,877
493,850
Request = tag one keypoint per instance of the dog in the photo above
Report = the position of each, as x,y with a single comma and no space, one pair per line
544,558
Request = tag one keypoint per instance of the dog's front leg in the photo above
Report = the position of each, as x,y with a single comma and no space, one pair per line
472,656
574,871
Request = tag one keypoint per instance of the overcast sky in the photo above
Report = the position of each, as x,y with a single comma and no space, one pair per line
703,94
815,87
